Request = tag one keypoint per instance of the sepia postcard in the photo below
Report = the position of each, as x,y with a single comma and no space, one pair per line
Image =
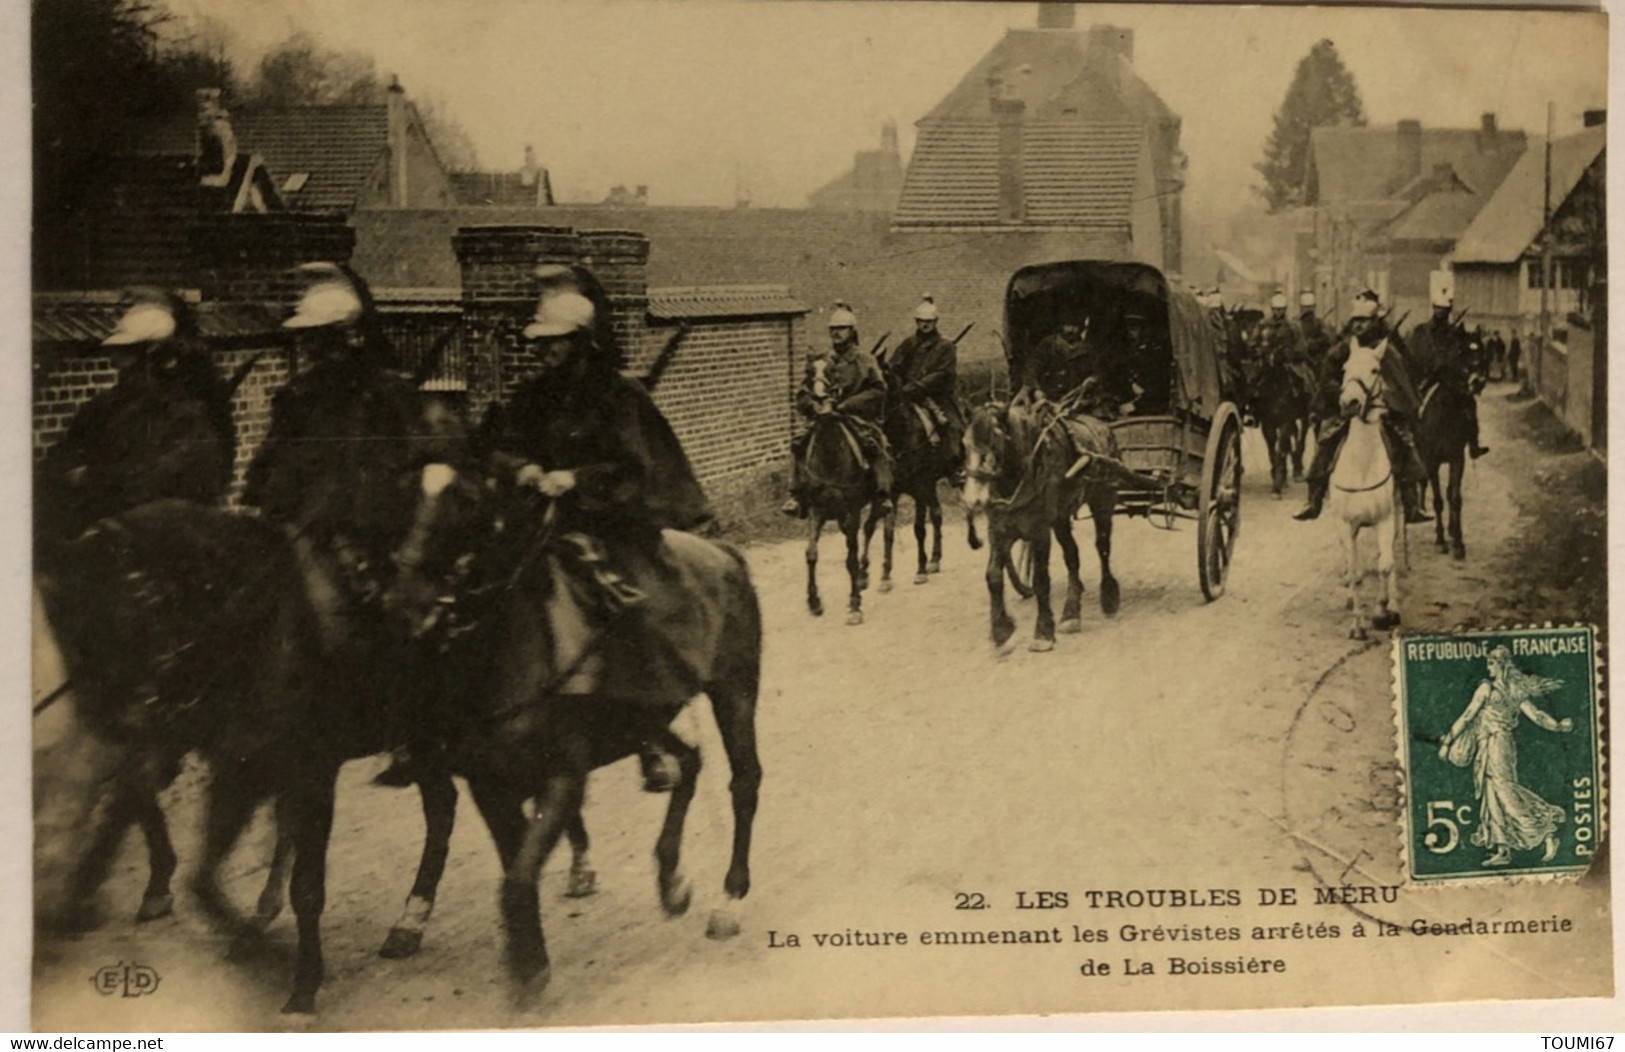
715,512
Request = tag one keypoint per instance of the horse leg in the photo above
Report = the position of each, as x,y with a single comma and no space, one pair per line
1388,575
156,901
919,540
854,603
1458,547
562,794
112,817
814,604
972,538
273,895
231,803
439,794
1072,612
1102,506
733,704
675,890
312,809
1272,442
1438,509
1044,630
869,523
1349,540
934,506
1300,440
583,878
891,541
873,519
998,554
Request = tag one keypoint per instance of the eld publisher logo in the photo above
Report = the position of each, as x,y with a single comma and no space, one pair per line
125,980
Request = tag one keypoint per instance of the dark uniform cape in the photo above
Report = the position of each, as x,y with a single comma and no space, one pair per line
344,453
1439,351
632,477
158,433
928,367
854,381
1317,340
1283,341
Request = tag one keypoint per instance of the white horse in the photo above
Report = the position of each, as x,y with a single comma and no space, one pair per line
1363,493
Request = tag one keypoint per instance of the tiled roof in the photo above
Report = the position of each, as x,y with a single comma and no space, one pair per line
1074,173
1509,222
1362,164
339,147
1439,216
723,301
91,318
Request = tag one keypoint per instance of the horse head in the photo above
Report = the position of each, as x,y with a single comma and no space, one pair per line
1362,387
992,455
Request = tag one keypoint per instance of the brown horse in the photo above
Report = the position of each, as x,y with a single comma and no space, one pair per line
1443,432
838,486
1019,468
924,455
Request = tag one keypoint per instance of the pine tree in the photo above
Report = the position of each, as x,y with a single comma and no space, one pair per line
1322,93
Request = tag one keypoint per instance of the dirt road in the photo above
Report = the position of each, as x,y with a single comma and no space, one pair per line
1246,743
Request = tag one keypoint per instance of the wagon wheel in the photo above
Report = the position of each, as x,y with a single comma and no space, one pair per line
1019,568
1219,503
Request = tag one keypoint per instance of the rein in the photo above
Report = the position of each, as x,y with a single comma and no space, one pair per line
1010,502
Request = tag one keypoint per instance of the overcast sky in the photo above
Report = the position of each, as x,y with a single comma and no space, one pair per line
689,96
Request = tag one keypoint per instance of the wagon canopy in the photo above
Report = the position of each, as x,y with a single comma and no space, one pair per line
1183,357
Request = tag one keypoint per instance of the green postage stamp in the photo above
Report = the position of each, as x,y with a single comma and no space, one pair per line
1500,743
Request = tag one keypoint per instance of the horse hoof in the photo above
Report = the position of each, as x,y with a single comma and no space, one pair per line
934,566
921,578
155,906
583,883
1358,633
1275,494
1041,646
885,585
854,617
1111,597
676,896
1441,547
1071,626
1386,620
815,608
301,1005
863,583
1458,553
528,989
400,944
722,925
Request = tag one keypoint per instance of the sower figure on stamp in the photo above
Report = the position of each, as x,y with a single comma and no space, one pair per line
1510,816
855,389
339,470
927,370
164,430
1444,354
594,442
1367,329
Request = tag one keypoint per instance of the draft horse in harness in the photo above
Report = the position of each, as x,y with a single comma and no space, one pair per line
1362,490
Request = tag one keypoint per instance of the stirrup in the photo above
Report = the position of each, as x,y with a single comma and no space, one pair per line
792,508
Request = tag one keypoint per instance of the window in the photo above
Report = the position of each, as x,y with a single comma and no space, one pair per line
1534,271
1570,273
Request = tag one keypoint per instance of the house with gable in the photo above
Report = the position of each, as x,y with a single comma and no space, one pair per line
872,184
1385,204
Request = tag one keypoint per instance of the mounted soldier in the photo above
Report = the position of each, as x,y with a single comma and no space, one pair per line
1367,328
593,442
1443,353
926,367
1317,336
847,381
340,468
164,430
1282,344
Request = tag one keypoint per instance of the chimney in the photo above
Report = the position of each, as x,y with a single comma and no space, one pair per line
1110,40
1409,151
888,137
1596,118
1008,113
396,99
1056,16
216,142
1443,175
527,173
641,194
1489,139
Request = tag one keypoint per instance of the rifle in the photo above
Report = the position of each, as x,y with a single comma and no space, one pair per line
1456,322
875,352
962,333
662,360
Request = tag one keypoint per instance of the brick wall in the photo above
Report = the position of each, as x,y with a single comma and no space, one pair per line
61,388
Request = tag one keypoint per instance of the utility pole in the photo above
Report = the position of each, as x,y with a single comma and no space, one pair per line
1546,276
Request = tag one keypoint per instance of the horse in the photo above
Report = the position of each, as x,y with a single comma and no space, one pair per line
1018,469
1362,490
839,486
1280,402
923,455
1443,432
540,704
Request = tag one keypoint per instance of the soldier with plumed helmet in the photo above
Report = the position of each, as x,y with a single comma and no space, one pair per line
926,367
854,387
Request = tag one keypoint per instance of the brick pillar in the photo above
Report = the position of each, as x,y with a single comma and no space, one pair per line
620,261
250,258
500,291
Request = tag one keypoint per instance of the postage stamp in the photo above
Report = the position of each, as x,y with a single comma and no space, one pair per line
1500,745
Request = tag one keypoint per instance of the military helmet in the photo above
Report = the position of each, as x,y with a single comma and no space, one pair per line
148,318
1365,305
926,311
842,317
1306,299
1278,301
559,313
330,299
